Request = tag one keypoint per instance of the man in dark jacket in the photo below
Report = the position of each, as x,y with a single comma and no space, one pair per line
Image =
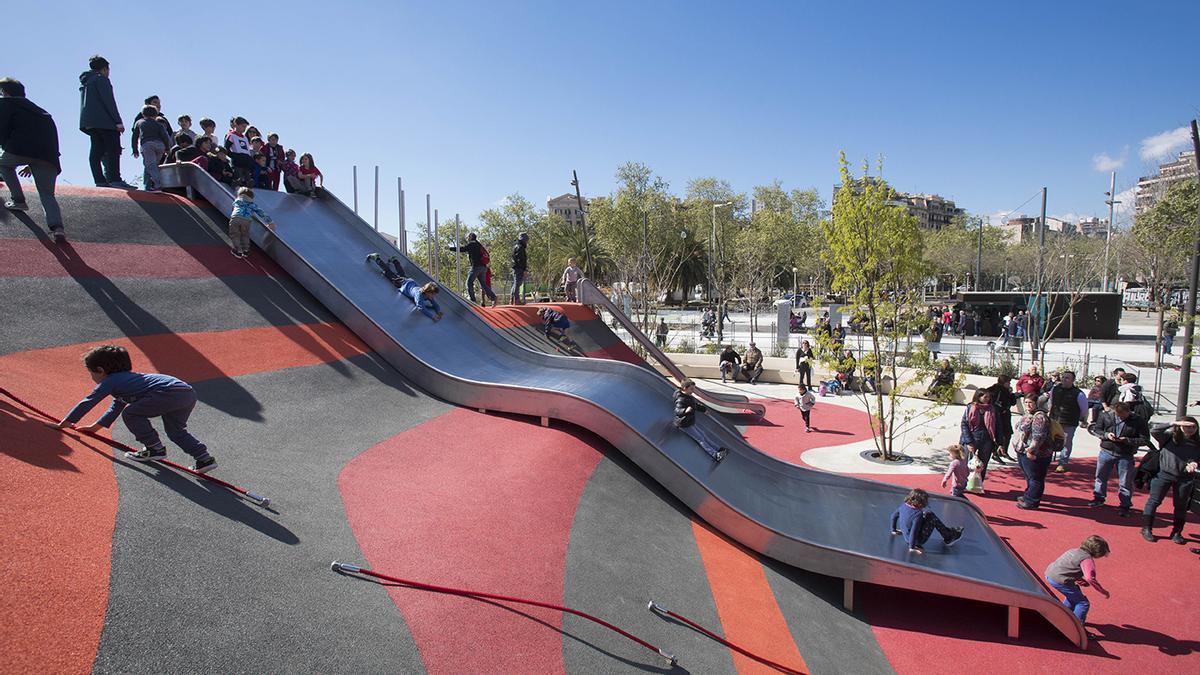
476,254
1121,433
730,363
1068,405
520,265
29,138
99,119
685,420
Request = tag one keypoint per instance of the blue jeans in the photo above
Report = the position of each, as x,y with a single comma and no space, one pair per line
1104,466
1168,341
1068,443
479,272
45,175
174,405
518,279
1074,598
1035,477
707,443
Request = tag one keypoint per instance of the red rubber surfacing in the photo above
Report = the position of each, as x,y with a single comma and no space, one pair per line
58,492
25,257
472,501
780,432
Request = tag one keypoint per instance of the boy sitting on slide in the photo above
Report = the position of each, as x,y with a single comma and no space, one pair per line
422,296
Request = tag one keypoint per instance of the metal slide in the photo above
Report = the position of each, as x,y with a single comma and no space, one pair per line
730,404
827,523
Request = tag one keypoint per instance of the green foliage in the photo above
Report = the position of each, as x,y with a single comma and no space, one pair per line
874,256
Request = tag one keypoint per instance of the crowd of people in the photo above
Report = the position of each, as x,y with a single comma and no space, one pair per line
242,157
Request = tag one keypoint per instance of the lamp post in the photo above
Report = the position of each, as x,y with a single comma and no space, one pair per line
794,288
1111,201
712,250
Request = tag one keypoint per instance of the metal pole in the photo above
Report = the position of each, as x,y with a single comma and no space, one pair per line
428,235
1035,319
712,254
979,254
458,258
587,247
437,250
1185,362
1112,199
401,240
645,272
355,189
377,198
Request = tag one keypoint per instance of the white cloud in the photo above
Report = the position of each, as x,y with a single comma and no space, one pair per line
1163,146
1103,162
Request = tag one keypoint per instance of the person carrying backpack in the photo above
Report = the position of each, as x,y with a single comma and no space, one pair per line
1033,443
479,259
1068,407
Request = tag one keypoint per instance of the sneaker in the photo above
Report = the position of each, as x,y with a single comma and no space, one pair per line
16,206
999,460
1096,502
1061,468
1026,506
895,532
1177,537
102,185
121,185
720,455
1148,535
60,237
955,535
916,550
372,257
205,465
148,454
808,430
234,253
242,254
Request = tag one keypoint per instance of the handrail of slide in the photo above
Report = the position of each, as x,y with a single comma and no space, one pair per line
827,523
730,404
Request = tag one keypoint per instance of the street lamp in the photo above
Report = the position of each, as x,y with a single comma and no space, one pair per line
1111,201
712,246
794,270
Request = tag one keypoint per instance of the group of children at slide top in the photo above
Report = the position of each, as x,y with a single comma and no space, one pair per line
242,159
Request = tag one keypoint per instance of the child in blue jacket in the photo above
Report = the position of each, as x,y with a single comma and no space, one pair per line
137,397
423,297
916,522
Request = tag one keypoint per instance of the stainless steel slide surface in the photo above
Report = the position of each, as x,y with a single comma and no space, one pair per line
827,523
730,404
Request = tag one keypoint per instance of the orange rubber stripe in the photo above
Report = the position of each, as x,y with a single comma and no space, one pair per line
746,605
513,316
58,493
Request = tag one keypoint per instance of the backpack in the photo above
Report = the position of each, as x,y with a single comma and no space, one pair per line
1058,435
484,258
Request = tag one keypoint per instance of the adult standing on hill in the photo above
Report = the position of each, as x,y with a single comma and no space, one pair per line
570,280
478,257
520,265
29,138
99,119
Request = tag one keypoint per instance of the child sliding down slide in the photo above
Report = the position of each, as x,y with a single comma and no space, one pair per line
422,296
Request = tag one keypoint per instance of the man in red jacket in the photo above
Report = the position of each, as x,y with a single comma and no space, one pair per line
1031,383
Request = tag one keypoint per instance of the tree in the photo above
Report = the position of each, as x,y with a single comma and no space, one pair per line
952,250
1163,242
875,258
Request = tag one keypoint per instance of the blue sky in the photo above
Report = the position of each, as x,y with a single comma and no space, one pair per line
981,102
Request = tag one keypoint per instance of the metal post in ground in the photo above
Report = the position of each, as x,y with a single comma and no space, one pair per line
458,258
355,181
376,198
437,250
402,239
1185,361
428,235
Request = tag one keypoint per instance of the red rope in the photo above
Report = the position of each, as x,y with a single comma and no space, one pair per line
121,446
354,569
741,650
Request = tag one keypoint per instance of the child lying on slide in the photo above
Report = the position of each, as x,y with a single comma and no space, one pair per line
422,296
